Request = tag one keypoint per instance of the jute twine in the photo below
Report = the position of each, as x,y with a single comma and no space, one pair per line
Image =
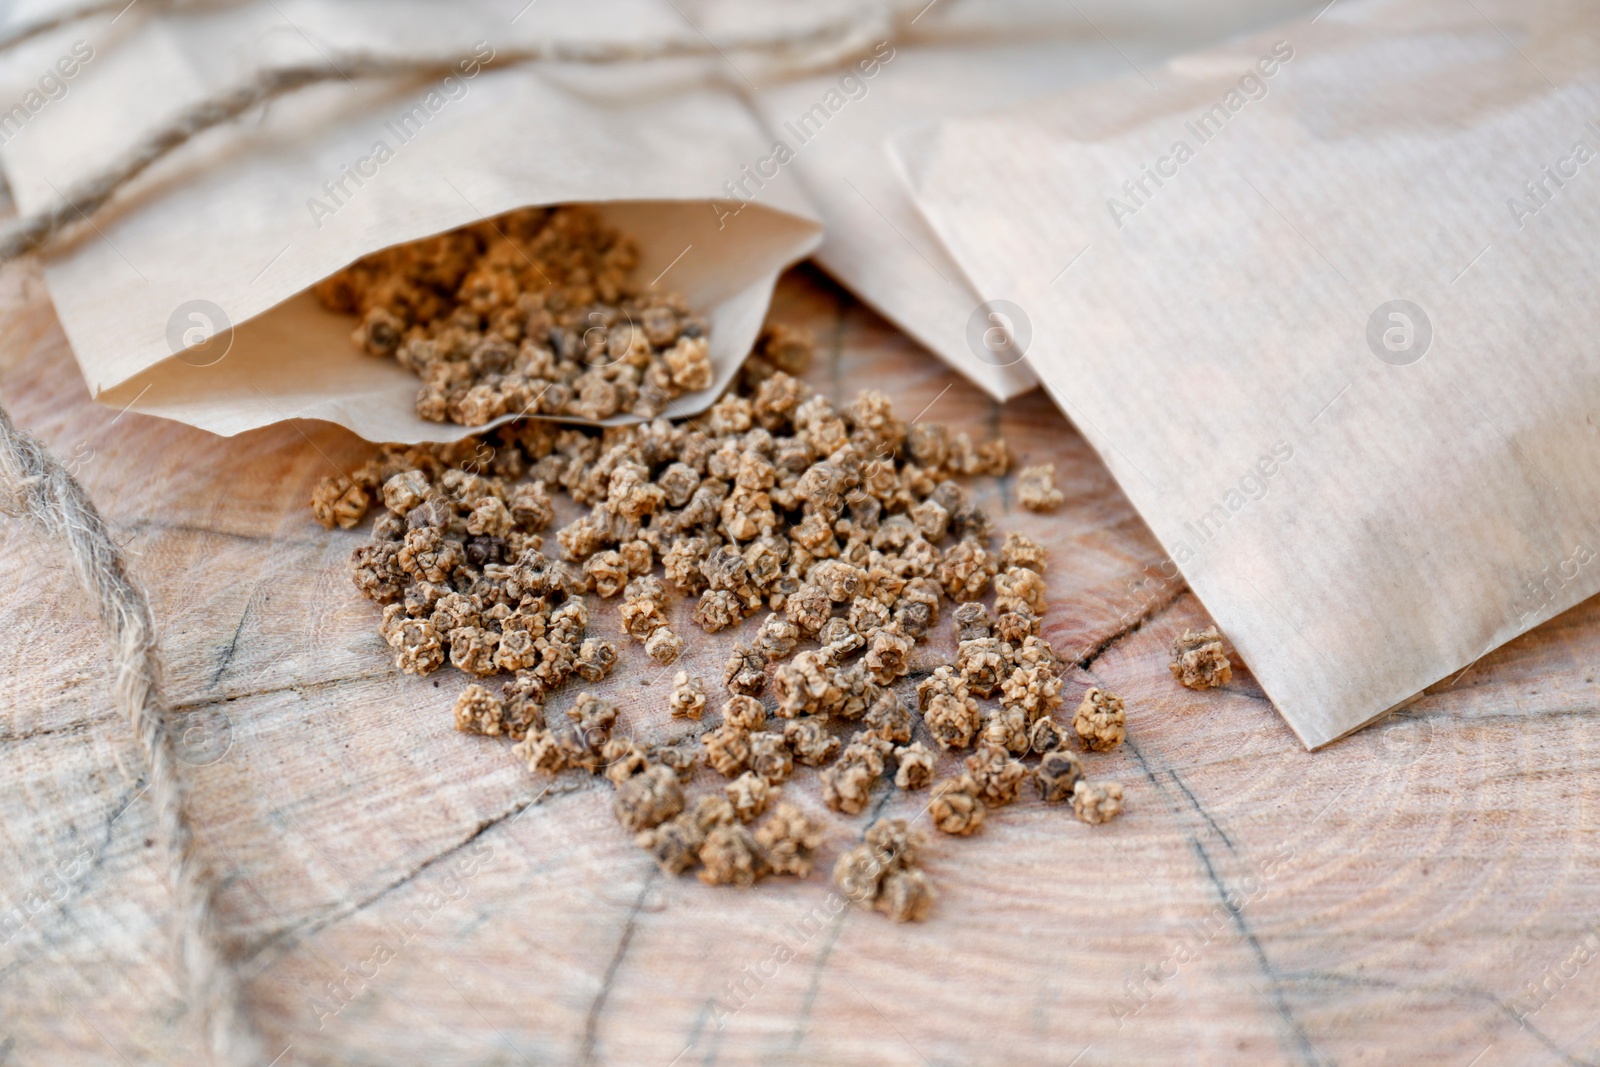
35,488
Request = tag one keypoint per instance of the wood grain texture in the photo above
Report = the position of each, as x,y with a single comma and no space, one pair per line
1386,901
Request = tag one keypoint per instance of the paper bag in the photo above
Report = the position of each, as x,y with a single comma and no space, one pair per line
956,59
236,225
1324,301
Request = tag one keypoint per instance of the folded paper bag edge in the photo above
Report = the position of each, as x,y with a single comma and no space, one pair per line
787,237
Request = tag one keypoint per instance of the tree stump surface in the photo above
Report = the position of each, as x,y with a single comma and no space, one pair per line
401,893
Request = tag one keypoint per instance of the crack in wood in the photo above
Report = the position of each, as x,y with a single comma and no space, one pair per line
843,302
68,729
701,1017
53,936
814,978
143,525
1003,481
1104,645
814,981
591,1019
1204,814
290,687
298,932
1308,1051
1453,989
233,642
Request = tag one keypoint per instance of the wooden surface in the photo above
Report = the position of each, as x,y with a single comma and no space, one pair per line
1385,901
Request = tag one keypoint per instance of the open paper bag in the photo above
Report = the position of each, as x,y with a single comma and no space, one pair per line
234,227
